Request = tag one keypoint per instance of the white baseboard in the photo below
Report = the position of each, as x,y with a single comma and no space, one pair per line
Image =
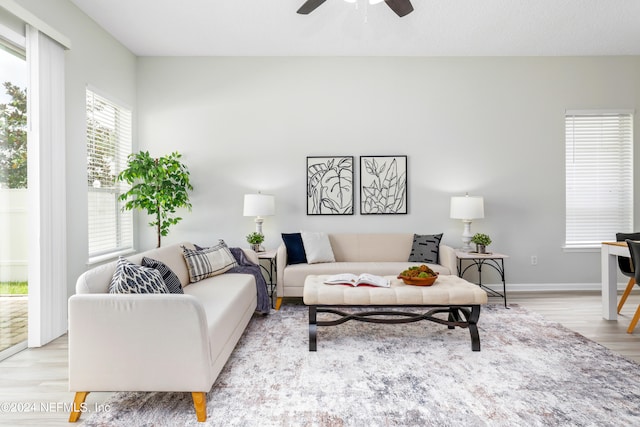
550,287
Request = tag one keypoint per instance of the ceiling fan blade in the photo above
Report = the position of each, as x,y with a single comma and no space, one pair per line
309,6
400,7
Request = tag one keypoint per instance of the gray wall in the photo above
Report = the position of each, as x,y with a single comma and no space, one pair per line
490,126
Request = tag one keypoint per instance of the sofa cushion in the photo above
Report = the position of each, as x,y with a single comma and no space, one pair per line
295,248
425,248
171,256
207,262
168,276
130,278
366,247
225,300
317,247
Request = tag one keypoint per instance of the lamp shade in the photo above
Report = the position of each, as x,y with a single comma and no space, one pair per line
259,205
467,207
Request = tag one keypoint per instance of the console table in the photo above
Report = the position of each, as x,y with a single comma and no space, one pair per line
478,260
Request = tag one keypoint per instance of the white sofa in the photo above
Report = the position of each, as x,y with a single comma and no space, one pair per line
382,254
156,342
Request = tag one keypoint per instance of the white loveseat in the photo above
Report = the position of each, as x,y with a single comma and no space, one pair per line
382,254
156,342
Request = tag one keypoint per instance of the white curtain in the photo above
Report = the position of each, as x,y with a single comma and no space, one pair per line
47,194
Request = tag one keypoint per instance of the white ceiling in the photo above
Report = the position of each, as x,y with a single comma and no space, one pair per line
337,28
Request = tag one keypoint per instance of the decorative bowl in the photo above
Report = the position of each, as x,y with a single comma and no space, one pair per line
419,281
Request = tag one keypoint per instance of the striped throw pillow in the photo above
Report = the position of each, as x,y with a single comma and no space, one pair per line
208,262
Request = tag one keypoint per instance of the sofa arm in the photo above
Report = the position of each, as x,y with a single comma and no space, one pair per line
281,257
141,342
448,259
251,255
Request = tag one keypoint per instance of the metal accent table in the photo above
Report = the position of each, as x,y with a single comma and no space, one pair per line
271,272
493,260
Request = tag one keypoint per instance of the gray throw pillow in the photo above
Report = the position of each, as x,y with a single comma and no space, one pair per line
426,248
168,276
130,278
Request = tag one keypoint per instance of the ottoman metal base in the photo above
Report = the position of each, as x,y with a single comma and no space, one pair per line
463,316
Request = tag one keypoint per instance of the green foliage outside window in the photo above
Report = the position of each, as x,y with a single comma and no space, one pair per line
13,138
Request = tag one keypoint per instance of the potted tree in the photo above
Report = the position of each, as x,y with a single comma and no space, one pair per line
158,186
255,239
482,241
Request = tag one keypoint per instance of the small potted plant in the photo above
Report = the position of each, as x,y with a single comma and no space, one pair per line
482,241
254,239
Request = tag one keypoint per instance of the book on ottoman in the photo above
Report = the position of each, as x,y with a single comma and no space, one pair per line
353,280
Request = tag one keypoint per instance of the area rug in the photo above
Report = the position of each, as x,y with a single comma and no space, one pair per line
529,372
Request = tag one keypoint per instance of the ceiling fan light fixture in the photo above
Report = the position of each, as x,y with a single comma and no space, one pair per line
399,7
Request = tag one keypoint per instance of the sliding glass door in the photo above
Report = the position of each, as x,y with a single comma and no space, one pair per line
13,200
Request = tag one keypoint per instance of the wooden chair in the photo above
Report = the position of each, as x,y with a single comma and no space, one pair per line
626,267
634,250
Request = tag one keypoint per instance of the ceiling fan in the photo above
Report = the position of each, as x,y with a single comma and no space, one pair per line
400,7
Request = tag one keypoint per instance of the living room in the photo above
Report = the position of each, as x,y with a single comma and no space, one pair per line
486,117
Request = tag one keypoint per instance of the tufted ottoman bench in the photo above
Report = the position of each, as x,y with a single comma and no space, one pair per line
450,294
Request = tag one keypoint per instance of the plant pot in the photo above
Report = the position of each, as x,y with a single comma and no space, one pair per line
481,249
255,248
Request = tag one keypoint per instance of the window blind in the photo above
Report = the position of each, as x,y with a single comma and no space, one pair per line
599,176
108,146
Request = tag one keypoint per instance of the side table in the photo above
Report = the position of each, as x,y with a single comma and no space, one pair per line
271,272
493,260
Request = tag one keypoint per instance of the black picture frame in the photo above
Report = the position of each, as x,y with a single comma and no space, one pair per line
330,185
383,185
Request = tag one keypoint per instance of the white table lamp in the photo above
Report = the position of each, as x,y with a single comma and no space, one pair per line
467,208
259,205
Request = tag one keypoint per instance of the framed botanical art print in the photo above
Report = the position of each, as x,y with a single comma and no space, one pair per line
330,185
383,185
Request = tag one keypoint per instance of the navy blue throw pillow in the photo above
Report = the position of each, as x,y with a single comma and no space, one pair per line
295,248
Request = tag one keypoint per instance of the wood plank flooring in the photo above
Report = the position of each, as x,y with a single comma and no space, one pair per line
582,312
33,383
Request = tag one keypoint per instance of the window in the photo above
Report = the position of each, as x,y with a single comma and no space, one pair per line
599,176
108,145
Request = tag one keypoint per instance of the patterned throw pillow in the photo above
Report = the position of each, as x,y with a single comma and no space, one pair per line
168,276
426,248
130,278
208,262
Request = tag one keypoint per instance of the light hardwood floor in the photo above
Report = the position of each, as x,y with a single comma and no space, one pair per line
35,380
